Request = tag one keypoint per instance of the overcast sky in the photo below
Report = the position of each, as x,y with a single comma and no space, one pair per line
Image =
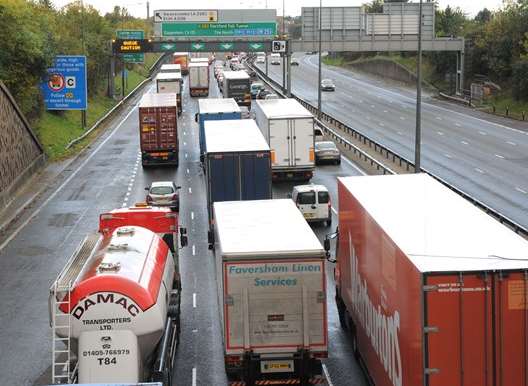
293,7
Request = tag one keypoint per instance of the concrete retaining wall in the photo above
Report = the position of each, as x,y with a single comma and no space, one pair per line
21,154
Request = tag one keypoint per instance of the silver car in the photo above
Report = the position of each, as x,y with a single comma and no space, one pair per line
164,193
327,151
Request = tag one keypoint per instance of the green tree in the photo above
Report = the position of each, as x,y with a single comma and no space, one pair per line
374,6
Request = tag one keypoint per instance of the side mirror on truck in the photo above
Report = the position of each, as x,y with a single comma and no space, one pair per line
327,245
183,237
196,117
210,239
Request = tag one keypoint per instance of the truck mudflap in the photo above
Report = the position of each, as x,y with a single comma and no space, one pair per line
292,175
297,369
162,157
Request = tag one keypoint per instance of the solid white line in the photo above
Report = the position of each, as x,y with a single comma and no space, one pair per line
192,215
194,376
499,156
194,299
521,190
327,376
480,171
66,182
353,165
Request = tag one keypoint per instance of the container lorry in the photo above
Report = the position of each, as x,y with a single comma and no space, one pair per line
115,307
216,109
158,129
237,162
170,68
431,289
199,79
271,282
181,58
237,85
289,129
170,82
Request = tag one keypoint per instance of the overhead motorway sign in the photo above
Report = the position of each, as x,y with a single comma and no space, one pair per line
211,46
250,24
132,34
219,29
64,87
179,16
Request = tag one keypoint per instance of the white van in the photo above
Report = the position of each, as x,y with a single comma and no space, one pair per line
275,59
314,202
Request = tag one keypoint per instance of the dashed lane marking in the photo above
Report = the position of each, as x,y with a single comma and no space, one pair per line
480,171
194,299
499,156
440,133
483,133
511,143
193,381
190,191
521,190
464,143
192,215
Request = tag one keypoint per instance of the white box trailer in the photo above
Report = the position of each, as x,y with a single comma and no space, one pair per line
170,82
271,280
170,67
289,129
199,79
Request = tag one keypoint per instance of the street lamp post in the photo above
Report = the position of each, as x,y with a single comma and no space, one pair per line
320,56
418,135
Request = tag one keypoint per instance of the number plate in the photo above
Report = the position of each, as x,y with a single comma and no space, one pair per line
308,215
276,367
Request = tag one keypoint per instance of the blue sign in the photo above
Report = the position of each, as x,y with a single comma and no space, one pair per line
65,87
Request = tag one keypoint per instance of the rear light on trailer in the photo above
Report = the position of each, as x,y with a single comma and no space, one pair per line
273,156
233,360
312,154
320,355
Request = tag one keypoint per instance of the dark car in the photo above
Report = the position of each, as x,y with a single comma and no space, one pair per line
327,151
327,85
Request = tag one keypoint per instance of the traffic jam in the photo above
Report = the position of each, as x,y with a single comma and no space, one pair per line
417,268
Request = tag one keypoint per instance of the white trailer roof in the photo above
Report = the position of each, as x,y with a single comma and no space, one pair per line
436,228
264,228
283,108
236,74
217,105
169,76
200,60
158,100
233,136
198,64
170,67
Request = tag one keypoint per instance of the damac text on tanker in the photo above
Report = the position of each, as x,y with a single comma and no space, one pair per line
380,328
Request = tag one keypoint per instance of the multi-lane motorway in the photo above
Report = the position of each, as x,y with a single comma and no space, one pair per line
107,176
484,156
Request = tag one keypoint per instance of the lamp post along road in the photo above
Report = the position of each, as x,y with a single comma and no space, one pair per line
320,64
418,135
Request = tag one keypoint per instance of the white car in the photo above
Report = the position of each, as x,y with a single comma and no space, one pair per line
271,96
163,193
261,59
314,202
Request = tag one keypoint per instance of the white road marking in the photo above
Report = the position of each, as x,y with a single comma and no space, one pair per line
194,300
447,155
194,250
499,156
327,375
440,133
184,143
439,118
124,205
483,133
353,165
402,118
464,143
192,215
400,133
129,188
511,143
186,155
194,376
184,133
458,124
127,194
190,190
333,210
521,190
480,171
385,111
66,182
382,124
373,106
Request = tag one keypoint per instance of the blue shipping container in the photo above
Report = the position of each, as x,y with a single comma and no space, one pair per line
215,109
237,162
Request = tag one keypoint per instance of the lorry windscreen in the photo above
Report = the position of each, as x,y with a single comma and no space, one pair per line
306,198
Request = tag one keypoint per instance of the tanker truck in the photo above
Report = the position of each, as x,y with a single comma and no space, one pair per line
115,307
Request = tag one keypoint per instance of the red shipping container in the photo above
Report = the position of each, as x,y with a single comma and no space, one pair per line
431,288
158,129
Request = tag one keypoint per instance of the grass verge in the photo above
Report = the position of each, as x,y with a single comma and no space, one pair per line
504,105
56,129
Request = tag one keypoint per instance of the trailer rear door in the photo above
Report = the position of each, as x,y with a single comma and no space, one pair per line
477,329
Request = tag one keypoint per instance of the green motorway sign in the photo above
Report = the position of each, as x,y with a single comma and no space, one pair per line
132,34
219,29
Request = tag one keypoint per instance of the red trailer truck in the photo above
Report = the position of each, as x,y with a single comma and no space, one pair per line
158,129
181,58
431,289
